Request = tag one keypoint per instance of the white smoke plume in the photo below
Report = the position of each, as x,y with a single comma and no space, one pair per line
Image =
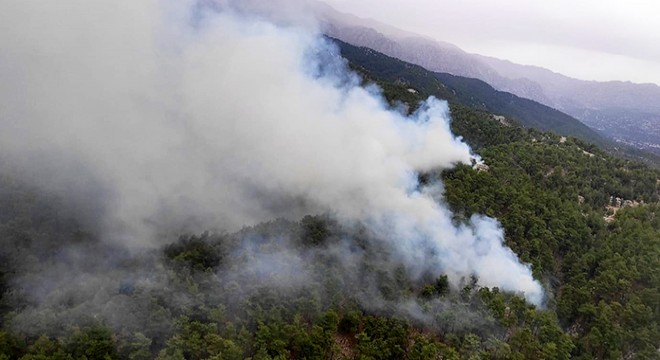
173,116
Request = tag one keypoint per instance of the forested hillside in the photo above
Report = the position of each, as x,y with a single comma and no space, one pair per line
469,92
295,289
480,95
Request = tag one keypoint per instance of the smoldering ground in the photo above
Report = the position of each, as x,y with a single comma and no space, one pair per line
275,270
177,117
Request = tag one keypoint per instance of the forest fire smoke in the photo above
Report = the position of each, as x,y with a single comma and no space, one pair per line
162,119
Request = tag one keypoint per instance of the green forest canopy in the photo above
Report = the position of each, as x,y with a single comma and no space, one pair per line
550,193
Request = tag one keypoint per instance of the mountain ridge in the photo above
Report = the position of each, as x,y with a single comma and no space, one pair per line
469,92
478,94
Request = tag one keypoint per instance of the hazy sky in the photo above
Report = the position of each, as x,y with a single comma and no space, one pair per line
586,39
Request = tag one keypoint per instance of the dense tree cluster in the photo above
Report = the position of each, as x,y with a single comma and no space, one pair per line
284,289
551,195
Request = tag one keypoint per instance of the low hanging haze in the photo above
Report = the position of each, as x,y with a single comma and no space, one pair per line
588,39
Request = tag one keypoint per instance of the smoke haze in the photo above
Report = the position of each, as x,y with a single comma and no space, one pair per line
158,118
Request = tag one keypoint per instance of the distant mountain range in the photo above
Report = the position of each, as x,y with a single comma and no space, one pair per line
625,112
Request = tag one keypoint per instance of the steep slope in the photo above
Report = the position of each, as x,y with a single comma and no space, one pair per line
427,53
469,92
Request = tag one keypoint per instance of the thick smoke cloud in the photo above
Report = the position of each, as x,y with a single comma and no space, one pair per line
175,117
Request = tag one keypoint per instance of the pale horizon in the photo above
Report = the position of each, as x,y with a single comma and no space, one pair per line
592,40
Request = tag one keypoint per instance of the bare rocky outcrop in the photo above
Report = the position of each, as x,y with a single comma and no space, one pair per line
502,120
616,204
